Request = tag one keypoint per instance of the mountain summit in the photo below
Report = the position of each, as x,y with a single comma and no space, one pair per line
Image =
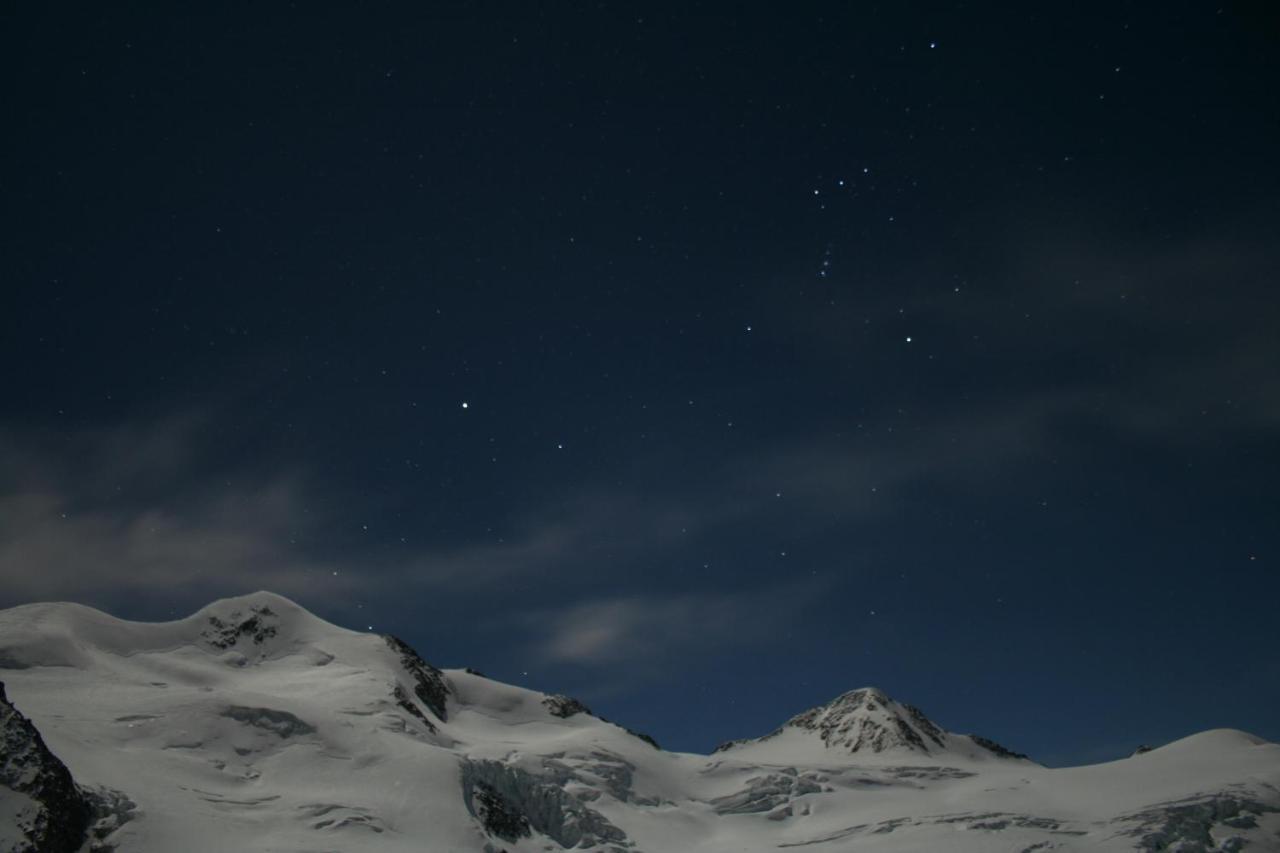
254,725
867,724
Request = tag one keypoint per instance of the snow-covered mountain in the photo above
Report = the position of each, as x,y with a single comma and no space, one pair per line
867,724
254,725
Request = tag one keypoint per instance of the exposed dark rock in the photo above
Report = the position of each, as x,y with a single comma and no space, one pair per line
258,627
564,706
429,684
1142,747
497,816
280,723
60,815
730,744
992,746
644,737
111,810
402,699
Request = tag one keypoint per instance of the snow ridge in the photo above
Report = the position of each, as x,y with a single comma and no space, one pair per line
253,725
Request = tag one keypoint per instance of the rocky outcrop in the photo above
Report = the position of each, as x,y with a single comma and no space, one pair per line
559,705
428,683
57,813
255,627
564,707
995,748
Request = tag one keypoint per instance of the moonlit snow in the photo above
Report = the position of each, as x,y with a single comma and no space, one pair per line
254,725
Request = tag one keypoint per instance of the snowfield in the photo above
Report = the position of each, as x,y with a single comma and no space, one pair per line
255,726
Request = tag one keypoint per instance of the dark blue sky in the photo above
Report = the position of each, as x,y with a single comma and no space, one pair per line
701,361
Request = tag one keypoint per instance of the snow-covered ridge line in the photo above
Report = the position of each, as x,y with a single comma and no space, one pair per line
254,725
867,721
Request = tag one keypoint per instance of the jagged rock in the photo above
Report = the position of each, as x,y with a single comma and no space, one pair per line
429,684
111,809
402,699
564,706
992,746
258,627
497,816
57,816
642,736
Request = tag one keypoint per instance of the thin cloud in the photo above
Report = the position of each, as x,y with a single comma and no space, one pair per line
654,628
82,517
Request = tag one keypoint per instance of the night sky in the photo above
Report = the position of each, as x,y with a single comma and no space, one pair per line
702,362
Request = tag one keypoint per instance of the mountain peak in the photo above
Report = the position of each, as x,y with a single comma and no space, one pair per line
867,722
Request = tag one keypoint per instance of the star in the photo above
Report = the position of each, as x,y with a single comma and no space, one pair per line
465,404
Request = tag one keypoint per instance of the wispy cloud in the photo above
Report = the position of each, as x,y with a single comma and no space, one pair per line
651,628
148,508
96,515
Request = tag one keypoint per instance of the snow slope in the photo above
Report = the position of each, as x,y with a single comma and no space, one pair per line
255,726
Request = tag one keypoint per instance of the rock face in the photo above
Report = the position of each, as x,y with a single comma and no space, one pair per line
995,748
564,707
255,627
429,684
56,815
